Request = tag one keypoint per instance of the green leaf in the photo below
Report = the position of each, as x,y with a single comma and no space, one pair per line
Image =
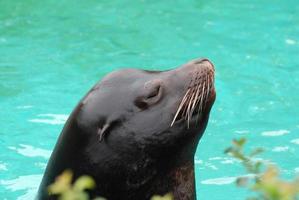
74,195
242,181
257,167
168,196
100,198
84,182
228,150
62,183
256,152
240,142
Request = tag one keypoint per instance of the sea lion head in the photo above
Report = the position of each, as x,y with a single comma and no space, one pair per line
157,113
136,132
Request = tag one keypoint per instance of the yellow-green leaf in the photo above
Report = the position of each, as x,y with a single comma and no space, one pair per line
62,183
84,182
168,196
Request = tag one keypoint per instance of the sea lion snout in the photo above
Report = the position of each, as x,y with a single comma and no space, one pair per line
199,93
202,65
202,60
195,69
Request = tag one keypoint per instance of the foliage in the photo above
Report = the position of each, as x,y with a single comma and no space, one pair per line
168,196
64,188
265,181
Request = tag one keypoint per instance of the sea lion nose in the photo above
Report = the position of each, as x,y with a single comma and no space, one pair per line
200,60
205,62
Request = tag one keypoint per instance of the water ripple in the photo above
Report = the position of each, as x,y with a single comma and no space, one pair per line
275,133
53,119
28,183
219,181
290,42
30,151
295,141
3,166
281,148
224,180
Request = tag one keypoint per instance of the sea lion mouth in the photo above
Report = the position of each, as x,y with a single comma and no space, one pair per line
200,93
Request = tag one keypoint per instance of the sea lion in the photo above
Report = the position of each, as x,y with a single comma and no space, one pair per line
136,132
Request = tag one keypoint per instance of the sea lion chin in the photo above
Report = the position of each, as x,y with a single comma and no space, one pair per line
136,132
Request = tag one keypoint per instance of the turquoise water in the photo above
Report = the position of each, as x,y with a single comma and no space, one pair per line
52,52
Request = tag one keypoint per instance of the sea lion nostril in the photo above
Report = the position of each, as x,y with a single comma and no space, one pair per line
205,63
199,61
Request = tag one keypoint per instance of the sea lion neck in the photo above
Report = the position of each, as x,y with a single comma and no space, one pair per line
179,181
183,179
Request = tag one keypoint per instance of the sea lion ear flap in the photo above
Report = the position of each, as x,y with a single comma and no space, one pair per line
152,94
102,131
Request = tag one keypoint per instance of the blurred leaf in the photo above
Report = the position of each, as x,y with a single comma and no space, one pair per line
252,198
228,150
256,152
242,181
66,191
267,185
73,195
272,187
168,196
84,182
240,142
257,167
100,198
62,183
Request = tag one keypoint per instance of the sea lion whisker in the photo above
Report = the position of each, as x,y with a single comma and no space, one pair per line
192,99
197,97
189,106
203,96
185,111
203,99
207,90
193,102
200,102
180,107
183,103
190,96
208,85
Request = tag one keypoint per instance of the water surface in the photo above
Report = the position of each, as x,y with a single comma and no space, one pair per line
52,52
